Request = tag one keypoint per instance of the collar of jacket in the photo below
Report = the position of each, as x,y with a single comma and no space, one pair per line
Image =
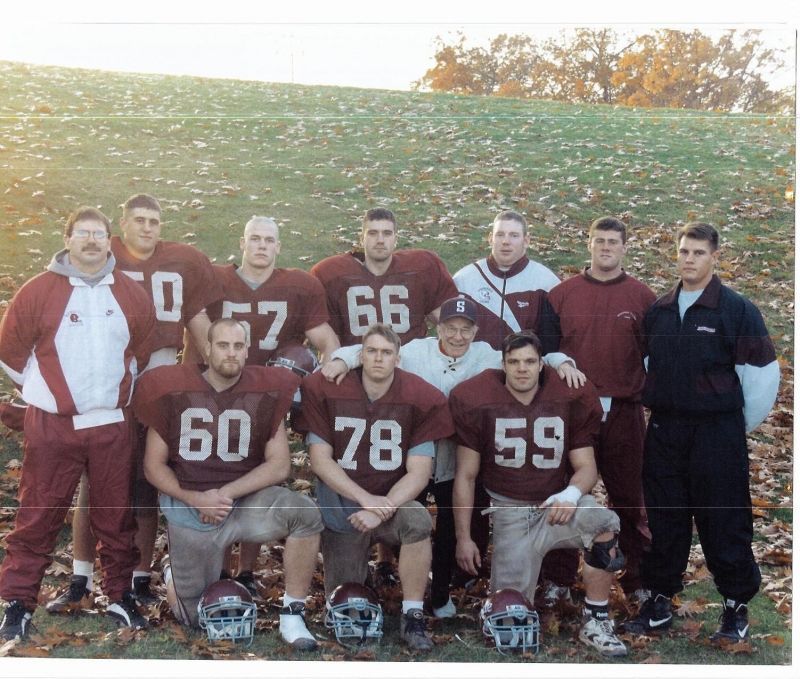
515,268
709,297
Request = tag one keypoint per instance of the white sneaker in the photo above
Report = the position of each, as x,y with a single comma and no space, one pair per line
446,611
553,594
599,634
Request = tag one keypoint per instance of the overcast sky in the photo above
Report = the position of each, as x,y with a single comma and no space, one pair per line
335,43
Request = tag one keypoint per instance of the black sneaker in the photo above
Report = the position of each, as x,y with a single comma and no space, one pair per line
414,632
655,616
73,599
733,624
247,579
16,621
125,613
142,592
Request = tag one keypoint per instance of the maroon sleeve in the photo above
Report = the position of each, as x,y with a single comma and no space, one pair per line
315,306
313,413
202,287
585,416
151,403
442,285
465,420
286,382
432,416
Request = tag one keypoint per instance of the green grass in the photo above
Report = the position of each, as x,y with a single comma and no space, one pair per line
216,152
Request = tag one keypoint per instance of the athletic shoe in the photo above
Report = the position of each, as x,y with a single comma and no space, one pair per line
733,624
413,631
293,627
69,601
553,595
142,592
655,616
125,613
247,579
599,634
16,621
446,611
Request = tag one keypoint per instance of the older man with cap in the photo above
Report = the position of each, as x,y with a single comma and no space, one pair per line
445,361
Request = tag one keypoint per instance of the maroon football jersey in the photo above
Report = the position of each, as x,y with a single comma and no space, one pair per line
416,283
524,448
213,437
371,440
179,280
278,312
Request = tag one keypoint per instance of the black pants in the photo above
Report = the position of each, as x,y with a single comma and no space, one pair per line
697,468
444,538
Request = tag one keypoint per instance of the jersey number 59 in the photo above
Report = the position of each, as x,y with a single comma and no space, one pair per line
548,439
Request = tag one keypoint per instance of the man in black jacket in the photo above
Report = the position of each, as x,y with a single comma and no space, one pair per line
712,376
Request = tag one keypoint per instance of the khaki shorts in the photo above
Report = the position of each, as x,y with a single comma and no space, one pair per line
522,537
267,515
345,555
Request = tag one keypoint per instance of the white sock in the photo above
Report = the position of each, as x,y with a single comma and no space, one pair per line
288,599
139,574
408,605
293,627
597,603
86,569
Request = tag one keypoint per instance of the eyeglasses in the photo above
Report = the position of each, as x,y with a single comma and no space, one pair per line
449,331
83,234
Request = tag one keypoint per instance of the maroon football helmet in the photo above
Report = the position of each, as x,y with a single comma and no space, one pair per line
508,617
297,358
226,611
354,613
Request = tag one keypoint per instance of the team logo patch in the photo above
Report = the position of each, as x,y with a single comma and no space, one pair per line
521,304
705,328
74,318
484,295
109,312
630,315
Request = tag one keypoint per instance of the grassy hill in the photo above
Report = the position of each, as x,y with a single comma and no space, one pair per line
216,152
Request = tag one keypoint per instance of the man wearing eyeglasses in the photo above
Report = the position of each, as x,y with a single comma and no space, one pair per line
445,361
73,340
180,283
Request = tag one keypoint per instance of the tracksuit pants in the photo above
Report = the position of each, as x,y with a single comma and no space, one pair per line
696,467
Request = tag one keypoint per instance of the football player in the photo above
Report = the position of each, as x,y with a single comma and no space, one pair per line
217,452
279,307
511,291
371,442
72,340
398,288
179,281
530,438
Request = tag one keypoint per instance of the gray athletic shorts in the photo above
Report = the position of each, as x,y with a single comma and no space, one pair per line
196,557
522,537
345,555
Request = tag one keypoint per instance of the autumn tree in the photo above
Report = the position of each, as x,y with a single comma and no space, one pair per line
667,68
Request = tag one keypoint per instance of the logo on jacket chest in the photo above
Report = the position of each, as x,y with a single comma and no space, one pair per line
706,329
484,295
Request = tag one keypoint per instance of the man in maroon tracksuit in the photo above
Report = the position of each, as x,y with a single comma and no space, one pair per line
599,315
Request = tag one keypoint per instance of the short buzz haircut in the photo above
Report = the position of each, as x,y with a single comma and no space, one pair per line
141,200
260,219
385,331
609,224
86,212
699,231
510,215
230,322
378,214
517,340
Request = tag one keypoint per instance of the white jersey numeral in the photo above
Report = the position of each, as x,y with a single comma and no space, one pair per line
279,308
384,436
158,282
392,310
203,441
548,434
